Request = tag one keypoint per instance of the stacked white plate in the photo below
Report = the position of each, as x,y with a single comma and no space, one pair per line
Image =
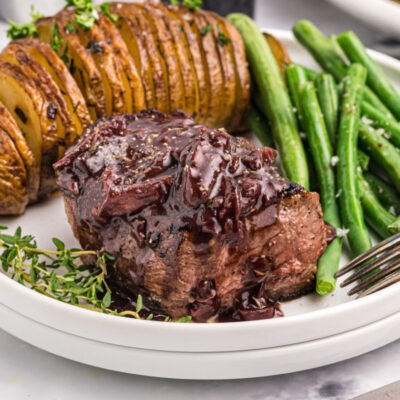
315,330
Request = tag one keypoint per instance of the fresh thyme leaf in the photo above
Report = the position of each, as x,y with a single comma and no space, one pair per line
28,29
71,27
107,300
206,29
139,303
191,4
19,31
85,12
59,244
35,15
55,37
188,318
81,285
223,39
105,9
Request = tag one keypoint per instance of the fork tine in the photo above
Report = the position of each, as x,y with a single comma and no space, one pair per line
372,252
390,255
388,281
392,267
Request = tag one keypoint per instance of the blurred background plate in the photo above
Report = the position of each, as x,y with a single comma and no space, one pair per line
383,15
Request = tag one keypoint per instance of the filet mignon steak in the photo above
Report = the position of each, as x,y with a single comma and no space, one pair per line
200,222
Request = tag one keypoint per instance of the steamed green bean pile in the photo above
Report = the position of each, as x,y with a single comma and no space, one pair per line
338,129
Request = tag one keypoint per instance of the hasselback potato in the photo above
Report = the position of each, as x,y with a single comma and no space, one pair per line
129,57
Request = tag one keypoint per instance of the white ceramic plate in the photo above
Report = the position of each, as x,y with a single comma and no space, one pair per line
206,365
310,318
383,15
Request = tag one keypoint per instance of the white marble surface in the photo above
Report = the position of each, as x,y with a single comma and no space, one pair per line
29,373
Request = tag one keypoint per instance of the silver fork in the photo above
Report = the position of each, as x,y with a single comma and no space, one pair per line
377,268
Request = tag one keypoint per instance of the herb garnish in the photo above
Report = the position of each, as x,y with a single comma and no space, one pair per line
55,37
206,29
19,31
222,39
105,9
80,285
86,13
191,4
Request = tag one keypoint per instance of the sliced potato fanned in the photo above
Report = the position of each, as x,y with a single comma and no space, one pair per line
222,42
57,108
8,125
134,40
80,63
215,75
169,58
94,41
243,75
187,70
13,193
26,104
157,63
129,74
73,97
198,65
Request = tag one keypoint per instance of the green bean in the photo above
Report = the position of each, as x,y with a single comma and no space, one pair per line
377,80
260,126
384,192
379,119
322,153
296,75
382,152
350,204
276,100
326,53
363,160
375,214
394,227
311,74
328,97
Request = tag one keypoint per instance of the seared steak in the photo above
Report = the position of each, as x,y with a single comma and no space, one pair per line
200,222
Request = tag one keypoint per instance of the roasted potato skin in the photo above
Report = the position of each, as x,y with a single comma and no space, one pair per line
168,57
97,48
242,76
157,63
228,100
130,74
130,30
57,108
81,64
184,60
13,181
75,101
9,126
198,65
215,76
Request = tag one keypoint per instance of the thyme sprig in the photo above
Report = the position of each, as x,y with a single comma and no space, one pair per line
191,4
86,13
20,31
78,284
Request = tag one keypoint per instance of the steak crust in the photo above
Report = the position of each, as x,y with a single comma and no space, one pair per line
199,222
